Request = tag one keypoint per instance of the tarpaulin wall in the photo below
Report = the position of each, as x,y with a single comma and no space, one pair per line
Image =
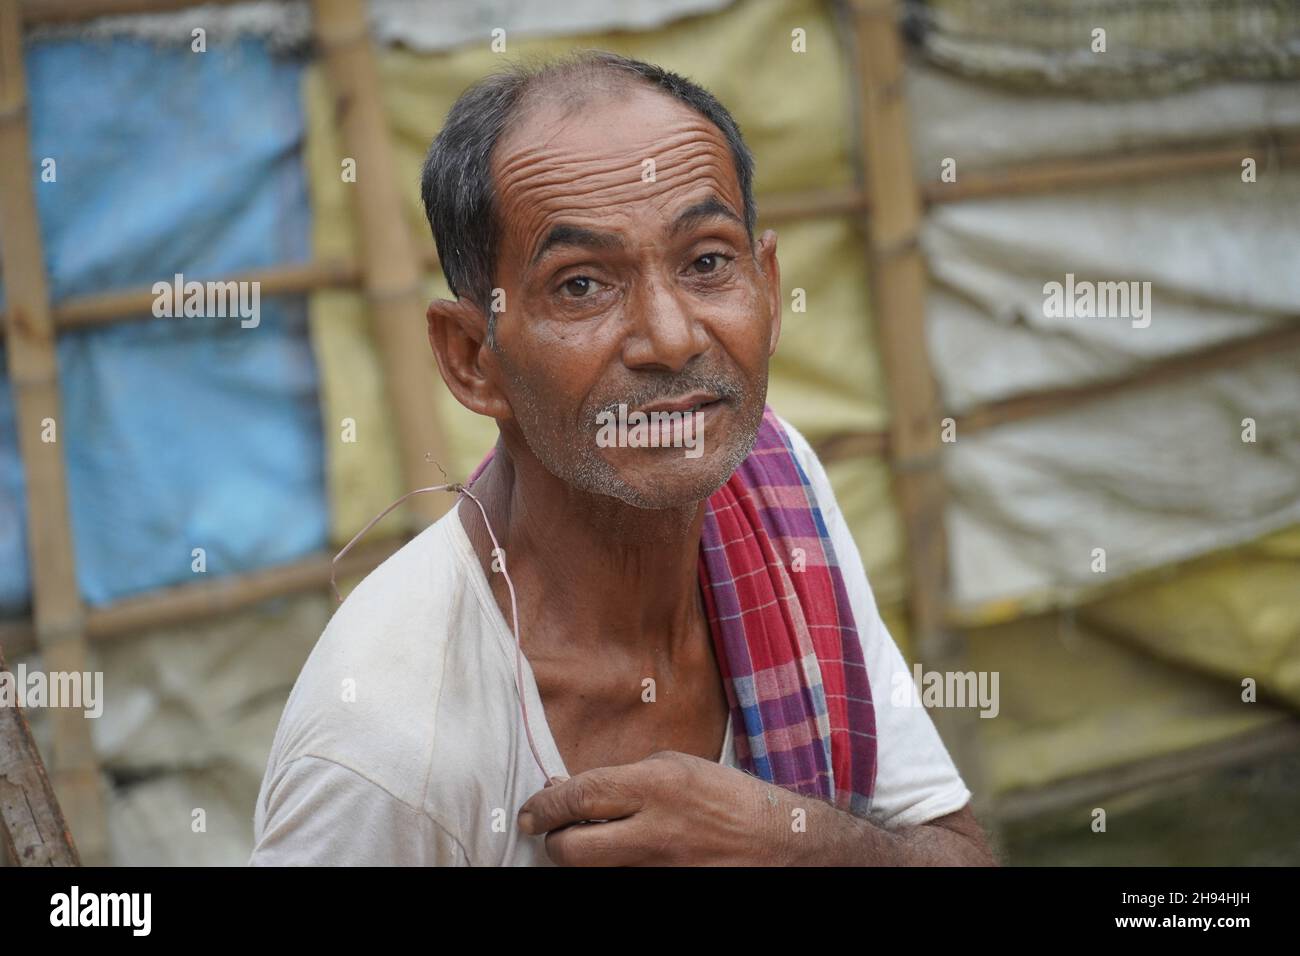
192,710
178,433
1198,526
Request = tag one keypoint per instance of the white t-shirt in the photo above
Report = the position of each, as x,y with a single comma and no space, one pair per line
402,744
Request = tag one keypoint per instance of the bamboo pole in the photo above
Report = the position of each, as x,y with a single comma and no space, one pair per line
101,308
1090,788
818,204
33,831
98,309
33,372
191,603
1162,372
846,446
898,283
1074,173
390,265
1062,175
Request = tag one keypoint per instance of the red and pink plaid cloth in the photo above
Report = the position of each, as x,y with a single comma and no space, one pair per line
784,632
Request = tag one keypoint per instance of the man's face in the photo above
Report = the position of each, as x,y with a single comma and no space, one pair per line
629,280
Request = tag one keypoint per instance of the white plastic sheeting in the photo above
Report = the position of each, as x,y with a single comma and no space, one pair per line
987,126
1152,476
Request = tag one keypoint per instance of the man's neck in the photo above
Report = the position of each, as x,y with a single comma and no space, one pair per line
593,571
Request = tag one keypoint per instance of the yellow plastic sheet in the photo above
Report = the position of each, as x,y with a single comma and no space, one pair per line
1074,702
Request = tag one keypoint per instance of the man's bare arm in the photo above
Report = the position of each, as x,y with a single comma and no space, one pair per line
836,838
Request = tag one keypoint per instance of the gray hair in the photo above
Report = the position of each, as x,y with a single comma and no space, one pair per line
456,179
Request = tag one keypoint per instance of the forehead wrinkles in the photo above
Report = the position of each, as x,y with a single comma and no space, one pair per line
538,184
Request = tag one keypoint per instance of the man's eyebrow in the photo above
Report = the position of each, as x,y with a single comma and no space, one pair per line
711,208
564,235
576,236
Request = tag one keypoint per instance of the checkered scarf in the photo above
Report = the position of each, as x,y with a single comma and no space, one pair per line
786,642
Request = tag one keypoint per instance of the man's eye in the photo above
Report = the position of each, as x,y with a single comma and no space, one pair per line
709,262
578,286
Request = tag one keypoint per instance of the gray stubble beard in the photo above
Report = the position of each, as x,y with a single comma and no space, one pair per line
592,474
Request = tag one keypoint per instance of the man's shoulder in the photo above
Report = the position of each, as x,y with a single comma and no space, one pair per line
367,697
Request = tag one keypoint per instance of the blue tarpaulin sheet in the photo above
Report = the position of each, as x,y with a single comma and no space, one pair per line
177,433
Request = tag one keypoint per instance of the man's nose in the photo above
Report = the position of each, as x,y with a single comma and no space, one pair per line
664,329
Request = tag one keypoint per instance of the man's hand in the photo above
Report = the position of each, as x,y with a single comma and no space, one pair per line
671,809
674,809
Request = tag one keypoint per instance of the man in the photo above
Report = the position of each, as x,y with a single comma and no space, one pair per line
705,675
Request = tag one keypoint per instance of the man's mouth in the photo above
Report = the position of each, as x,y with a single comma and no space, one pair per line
693,402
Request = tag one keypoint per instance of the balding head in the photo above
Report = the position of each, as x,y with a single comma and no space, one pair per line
457,184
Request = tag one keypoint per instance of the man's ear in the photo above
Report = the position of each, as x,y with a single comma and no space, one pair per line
771,270
457,335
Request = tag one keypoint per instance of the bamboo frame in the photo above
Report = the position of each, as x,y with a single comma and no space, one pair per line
386,274
33,370
1058,175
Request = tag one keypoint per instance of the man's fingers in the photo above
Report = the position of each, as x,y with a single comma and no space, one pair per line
603,794
595,844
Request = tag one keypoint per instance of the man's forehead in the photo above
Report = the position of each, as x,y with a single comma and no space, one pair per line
633,146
